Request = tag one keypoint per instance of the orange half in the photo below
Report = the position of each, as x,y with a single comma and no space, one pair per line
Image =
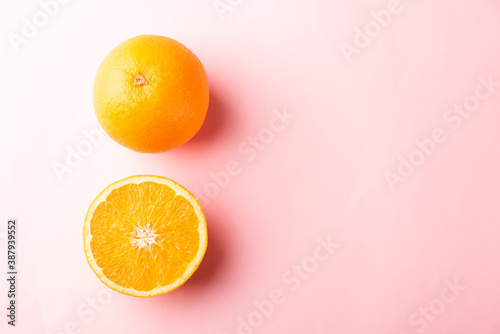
144,235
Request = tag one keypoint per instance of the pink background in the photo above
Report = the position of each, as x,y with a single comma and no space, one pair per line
322,175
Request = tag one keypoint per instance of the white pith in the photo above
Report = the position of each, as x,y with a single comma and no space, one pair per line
143,236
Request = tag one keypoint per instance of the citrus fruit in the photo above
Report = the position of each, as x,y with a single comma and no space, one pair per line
151,94
144,235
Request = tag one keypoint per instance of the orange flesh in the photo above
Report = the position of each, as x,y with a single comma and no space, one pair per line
144,236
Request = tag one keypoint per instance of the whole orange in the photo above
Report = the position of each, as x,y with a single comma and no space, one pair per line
151,94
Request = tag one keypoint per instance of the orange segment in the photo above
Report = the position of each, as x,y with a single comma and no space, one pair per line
144,235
